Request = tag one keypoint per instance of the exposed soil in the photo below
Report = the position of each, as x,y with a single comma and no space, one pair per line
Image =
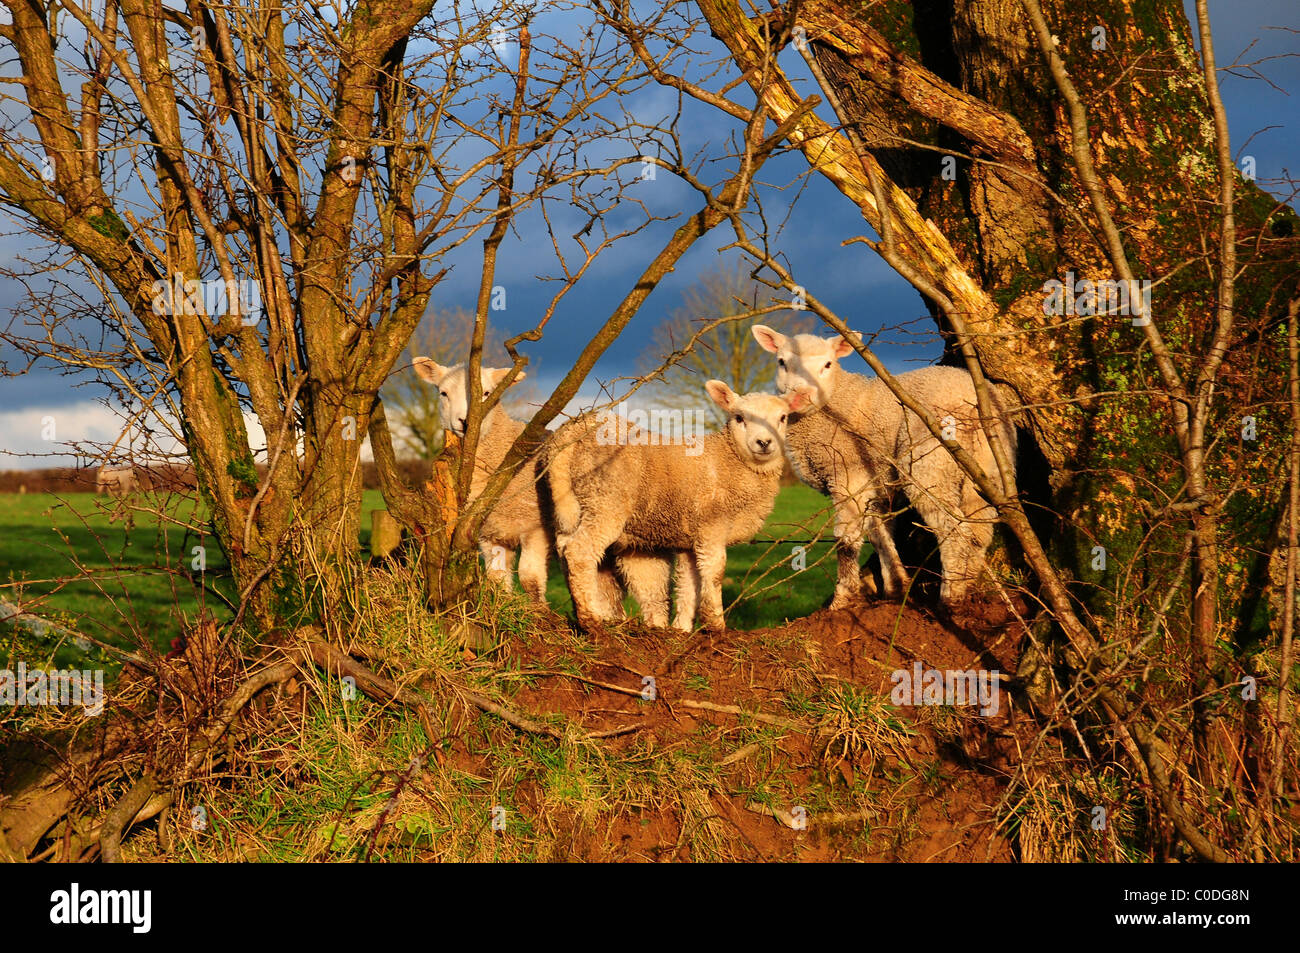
937,790
743,753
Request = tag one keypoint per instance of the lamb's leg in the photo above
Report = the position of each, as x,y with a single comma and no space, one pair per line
498,560
686,589
848,546
857,513
583,554
534,551
711,564
980,528
610,589
974,535
646,575
980,514
565,510
880,532
962,542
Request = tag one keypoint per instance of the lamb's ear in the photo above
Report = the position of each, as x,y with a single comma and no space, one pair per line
494,375
429,369
798,402
843,347
721,394
767,339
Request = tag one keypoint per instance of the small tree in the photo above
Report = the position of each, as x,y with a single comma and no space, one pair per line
712,347
242,212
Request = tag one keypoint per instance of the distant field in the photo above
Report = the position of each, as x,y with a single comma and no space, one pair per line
124,591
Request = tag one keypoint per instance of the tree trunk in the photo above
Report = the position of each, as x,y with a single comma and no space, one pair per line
954,102
1024,159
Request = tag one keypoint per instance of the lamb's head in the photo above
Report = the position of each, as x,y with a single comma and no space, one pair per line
756,424
806,365
453,397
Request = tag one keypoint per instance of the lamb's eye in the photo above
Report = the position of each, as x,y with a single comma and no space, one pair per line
740,419
445,394
783,418
780,362
827,367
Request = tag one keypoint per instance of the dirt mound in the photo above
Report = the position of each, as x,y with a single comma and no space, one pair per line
810,761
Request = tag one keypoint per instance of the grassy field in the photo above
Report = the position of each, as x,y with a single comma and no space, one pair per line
66,559
124,585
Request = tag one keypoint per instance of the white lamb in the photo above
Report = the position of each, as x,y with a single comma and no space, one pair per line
647,502
516,520
852,440
116,481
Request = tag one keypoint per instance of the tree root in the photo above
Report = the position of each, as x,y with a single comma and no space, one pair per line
120,816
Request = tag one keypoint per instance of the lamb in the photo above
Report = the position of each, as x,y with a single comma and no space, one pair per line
852,440
116,481
516,521
647,502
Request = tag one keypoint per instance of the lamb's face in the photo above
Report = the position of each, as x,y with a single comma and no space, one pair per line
755,422
453,397
805,365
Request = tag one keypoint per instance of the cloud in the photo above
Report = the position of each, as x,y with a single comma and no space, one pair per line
84,433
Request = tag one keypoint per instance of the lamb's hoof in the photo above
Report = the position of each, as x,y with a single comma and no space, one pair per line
842,600
589,623
951,596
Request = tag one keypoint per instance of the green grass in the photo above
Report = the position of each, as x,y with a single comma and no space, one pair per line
66,560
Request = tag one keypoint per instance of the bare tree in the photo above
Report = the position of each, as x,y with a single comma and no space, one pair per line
727,351
266,198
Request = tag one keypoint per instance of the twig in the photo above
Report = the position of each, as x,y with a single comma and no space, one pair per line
740,754
634,692
803,823
733,710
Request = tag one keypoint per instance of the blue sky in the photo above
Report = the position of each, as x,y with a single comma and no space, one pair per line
861,288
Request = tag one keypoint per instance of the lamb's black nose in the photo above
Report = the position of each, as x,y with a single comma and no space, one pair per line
764,445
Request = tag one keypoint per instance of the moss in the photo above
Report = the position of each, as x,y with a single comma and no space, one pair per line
1041,264
109,225
894,19
245,471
